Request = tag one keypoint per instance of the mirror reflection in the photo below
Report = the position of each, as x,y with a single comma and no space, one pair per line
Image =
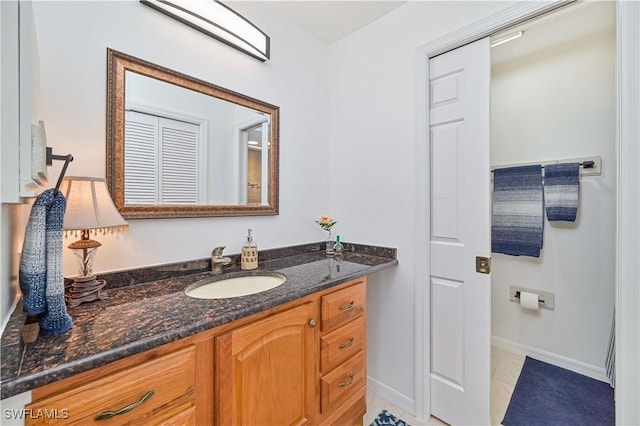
182,147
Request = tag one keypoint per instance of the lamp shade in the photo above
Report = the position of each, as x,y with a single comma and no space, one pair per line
89,205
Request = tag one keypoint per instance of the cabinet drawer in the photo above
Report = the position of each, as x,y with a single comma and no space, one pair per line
342,343
351,412
341,306
341,383
186,418
170,377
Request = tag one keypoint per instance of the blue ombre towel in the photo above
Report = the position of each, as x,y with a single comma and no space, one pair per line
40,273
561,188
517,211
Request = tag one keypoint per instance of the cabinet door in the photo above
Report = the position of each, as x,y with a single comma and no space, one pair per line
266,370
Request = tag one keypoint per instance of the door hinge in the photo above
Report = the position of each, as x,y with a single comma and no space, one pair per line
483,265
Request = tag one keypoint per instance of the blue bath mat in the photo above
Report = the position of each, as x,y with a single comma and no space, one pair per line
386,418
550,395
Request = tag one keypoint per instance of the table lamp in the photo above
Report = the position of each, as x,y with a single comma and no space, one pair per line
90,210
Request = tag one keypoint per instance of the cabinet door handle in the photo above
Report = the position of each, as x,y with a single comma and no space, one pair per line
108,414
312,323
346,307
347,382
347,344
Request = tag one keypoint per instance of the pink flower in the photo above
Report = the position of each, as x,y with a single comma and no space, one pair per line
326,222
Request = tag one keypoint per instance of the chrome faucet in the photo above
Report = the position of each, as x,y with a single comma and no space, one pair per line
217,261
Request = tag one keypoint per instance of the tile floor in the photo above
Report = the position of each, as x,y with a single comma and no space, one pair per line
505,369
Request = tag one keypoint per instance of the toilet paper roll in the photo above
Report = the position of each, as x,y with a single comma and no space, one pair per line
529,300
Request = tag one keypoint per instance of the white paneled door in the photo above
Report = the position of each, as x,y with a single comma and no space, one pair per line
459,89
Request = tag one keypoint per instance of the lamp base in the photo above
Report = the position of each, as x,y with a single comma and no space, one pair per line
85,289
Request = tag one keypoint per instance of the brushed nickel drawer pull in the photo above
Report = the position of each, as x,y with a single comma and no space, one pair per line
108,414
347,382
347,344
347,306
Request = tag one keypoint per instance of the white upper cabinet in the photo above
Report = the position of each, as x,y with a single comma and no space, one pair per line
23,166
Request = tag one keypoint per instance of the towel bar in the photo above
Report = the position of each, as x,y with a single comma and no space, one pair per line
585,164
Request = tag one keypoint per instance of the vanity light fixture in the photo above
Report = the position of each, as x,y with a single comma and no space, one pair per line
507,38
89,210
218,21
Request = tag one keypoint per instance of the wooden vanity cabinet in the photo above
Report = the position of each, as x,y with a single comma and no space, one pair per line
292,369
303,362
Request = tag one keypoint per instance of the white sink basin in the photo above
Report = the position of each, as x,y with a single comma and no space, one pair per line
216,288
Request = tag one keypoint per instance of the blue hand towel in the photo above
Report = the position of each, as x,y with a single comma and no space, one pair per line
40,274
561,188
517,211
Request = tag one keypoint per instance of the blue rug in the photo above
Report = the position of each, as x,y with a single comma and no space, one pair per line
386,418
550,395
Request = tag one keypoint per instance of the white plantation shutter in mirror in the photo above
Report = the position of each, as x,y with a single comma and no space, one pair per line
161,160
140,158
179,171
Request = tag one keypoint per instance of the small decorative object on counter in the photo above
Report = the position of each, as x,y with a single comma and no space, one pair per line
90,211
326,222
249,254
337,247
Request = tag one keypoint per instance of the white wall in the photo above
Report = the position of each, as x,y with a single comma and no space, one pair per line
73,38
374,196
553,104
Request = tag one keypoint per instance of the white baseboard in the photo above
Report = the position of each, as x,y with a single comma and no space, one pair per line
598,373
385,392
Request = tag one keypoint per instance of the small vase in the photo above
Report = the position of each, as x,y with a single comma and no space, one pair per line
329,245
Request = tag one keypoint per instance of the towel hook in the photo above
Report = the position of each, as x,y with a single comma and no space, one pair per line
66,158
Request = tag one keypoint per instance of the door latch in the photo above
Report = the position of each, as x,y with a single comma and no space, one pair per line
483,265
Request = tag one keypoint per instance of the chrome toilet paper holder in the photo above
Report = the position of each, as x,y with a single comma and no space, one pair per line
540,300
546,299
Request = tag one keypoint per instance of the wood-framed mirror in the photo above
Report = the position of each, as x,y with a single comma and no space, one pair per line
178,146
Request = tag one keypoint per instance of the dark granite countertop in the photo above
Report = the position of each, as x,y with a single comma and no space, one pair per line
147,307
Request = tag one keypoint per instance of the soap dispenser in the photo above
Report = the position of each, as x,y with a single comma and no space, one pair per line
249,254
337,247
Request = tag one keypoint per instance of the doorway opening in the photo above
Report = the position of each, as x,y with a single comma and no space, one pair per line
553,98
437,48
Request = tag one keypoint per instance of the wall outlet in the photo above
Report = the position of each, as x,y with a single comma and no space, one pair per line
547,300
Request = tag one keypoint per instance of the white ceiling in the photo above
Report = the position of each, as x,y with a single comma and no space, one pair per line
332,20
568,24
